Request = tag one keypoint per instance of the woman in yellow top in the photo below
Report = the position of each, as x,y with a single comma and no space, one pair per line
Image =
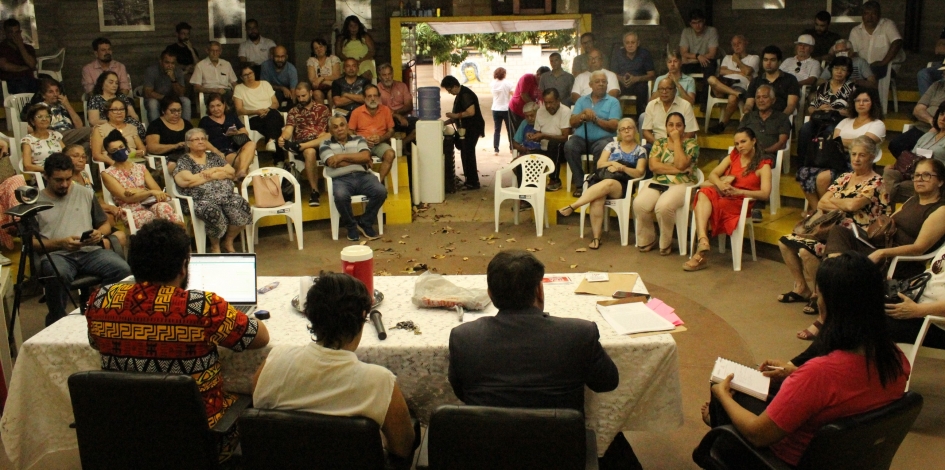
354,42
673,162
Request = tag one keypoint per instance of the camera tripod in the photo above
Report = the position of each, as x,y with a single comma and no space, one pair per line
26,229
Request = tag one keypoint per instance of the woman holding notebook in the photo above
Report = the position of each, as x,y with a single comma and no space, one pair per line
858,367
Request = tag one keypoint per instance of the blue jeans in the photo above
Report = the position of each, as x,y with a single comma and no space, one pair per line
926,77
577,146
353,184
106,264
154,108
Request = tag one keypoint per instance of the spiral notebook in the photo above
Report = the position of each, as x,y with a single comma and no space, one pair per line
747,380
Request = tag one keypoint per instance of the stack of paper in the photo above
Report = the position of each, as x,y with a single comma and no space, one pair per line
747,380
665,311
633,317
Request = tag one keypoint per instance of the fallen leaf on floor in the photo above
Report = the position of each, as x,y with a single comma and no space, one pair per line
532,249
384,250
573,266
363,242
562,259
510,240
438,256
411,260
420,267
382,272
465,258
405,236
490,237
491,242
551,242
581,250
402,242
386,240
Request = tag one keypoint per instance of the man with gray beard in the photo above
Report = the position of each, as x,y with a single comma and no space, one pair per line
374,122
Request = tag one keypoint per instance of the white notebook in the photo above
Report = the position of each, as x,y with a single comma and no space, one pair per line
633,317
747,380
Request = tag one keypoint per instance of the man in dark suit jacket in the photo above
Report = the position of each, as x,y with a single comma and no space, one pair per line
524,357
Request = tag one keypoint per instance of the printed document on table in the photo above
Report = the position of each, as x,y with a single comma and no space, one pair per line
634,317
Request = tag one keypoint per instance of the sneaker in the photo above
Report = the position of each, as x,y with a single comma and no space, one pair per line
554,185
757,215
4,261
717,129
353,233
368,231
314,199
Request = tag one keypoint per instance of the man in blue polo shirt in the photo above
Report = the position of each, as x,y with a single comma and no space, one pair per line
594,120
282,75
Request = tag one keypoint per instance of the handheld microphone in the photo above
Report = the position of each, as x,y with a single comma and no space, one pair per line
375,317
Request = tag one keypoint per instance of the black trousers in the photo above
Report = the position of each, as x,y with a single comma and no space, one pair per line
270,126
905,141
639,91
468,156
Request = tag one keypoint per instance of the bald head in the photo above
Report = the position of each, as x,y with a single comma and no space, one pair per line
280,56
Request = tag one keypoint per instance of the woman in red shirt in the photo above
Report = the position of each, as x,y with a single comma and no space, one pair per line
859,368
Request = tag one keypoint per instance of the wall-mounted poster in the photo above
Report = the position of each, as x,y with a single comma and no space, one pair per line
640,12
359,8
227,21
845,11
23,11
757,4
126,15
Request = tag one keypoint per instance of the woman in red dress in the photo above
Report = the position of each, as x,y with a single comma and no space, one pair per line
746,172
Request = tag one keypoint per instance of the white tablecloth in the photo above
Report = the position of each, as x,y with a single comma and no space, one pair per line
648,398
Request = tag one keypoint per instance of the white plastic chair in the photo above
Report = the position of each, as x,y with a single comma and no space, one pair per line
621,208
640,106
785,169
774,201
336,216
129,216
138,95
14,105
885,84
16,158
535,170
201,106
682,214
59,58
916,349
291,210
738,237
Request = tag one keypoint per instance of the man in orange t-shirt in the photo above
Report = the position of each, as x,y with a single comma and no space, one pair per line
375,123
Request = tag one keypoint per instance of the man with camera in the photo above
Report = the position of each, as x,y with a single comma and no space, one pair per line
76,234
306,127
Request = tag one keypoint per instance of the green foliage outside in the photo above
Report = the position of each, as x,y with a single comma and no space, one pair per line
455,47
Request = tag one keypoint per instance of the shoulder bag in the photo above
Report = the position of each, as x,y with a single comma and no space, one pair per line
830,154
911,288
881,231
906,164
816,225
267,191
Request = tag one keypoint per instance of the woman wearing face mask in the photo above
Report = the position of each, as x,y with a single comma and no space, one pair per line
132,185
116,110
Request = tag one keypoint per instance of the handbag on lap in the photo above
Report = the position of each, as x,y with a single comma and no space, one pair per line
816,225
830,154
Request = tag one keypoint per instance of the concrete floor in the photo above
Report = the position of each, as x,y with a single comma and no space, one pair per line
730,314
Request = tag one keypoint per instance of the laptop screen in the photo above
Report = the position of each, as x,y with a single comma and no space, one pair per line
232,276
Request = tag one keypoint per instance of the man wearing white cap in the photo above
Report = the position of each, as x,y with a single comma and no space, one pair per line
805,68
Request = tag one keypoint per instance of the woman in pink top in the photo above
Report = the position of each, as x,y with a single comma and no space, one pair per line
526,91
859,368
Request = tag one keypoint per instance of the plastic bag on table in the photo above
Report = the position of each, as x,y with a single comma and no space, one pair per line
434,291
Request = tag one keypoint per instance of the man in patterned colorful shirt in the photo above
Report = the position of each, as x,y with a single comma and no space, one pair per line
306,126
155,325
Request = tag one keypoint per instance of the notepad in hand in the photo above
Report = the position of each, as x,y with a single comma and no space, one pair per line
747,380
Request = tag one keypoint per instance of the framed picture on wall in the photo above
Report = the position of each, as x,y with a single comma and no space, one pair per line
125,15
640,12
23,11
227,21
845,11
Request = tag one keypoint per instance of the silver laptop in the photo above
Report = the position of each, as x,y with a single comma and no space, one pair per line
232,276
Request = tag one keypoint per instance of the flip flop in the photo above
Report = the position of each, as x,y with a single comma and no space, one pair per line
809,333
811,307
595,244
791,297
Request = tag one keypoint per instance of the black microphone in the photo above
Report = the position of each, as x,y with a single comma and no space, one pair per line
375,317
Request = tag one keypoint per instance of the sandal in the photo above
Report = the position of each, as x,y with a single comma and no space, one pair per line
569,208
809,333
666,251
595,244
811,307
700,247
647,248
696,263
792,297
